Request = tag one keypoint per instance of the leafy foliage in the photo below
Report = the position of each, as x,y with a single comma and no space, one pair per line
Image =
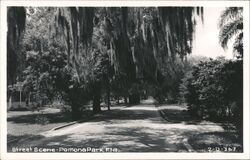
107,48
43,59
135,39
213,89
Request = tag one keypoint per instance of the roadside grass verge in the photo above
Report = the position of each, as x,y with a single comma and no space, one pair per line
22,124
226,140
215,142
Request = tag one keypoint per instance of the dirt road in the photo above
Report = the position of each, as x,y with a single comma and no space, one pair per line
138,128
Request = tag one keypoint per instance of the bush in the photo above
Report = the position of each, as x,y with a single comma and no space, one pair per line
74,92
214,90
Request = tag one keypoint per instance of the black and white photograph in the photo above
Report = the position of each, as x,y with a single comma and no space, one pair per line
113,79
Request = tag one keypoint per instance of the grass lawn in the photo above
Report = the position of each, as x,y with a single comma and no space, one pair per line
21,124
216,142
226,140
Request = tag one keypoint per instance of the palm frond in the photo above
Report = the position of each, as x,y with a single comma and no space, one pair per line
229,30
229,14
238,45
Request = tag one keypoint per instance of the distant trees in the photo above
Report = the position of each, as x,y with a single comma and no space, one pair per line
48,76
138,41
231,27
44,59
40,80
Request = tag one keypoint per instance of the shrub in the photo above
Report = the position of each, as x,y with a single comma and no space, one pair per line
74,92
214,90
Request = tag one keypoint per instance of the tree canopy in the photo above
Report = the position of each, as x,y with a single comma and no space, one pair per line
16,17
136,39
103,44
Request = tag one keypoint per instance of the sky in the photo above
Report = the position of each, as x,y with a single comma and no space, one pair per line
206,41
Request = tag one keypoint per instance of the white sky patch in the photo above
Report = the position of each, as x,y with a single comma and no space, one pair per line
206,42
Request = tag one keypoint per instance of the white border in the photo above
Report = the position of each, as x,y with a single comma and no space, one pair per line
155,155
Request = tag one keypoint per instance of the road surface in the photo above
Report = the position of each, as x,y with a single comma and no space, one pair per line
138,128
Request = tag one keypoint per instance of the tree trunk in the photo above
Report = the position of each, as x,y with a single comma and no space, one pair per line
76,113
29,99
117,100
10,102
134,99
125,100
108,96
20,102
96,102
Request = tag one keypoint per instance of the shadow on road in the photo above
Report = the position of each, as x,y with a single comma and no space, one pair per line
138,129
224,139
128,113
125,140
177,114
